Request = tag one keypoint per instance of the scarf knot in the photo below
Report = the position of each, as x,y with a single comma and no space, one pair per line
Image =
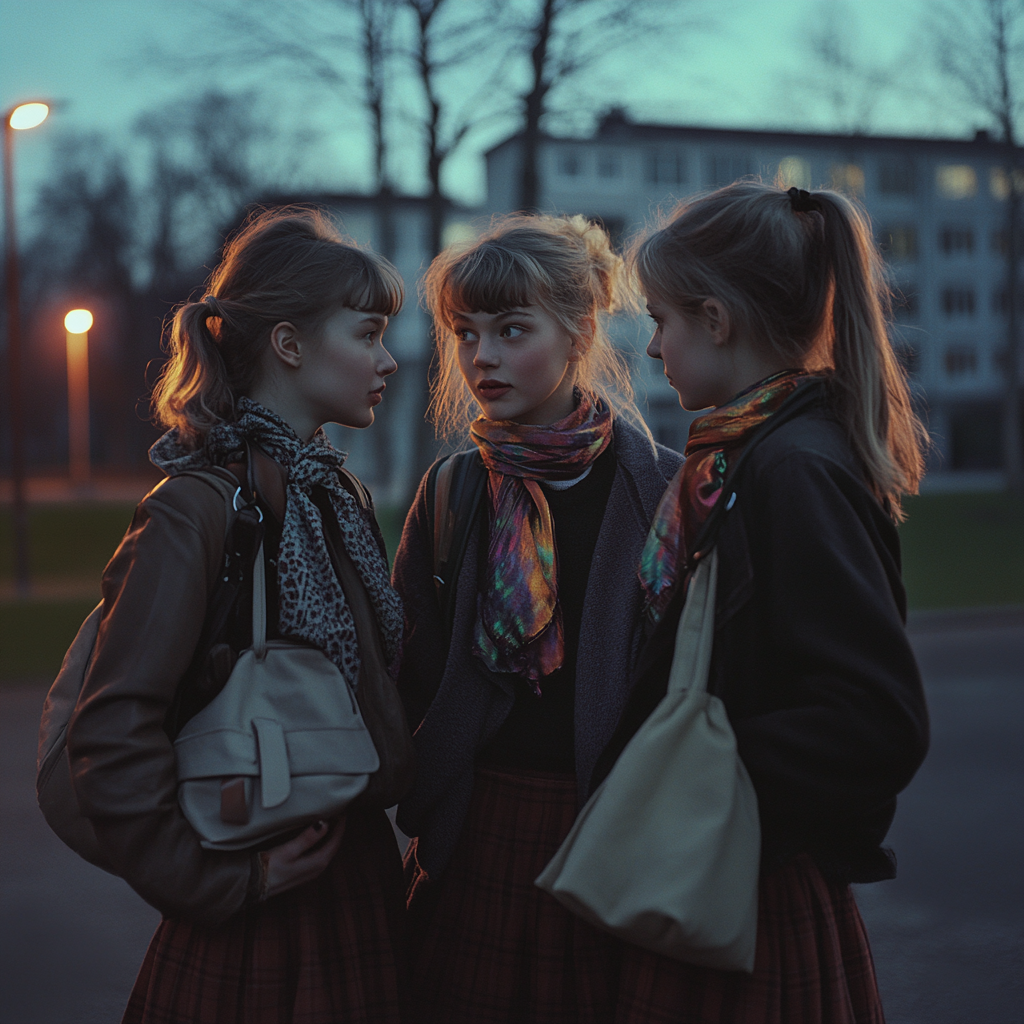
519,622
716,441
312,603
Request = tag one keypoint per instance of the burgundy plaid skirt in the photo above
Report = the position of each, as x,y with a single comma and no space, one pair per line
492,948
331,951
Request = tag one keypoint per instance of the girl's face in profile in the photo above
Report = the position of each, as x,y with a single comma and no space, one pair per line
343,370
693,362
518,364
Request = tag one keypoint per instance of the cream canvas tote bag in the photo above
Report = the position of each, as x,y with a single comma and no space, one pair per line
665,854
282,745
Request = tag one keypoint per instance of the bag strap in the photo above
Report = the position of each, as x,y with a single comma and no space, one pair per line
455,492
695,635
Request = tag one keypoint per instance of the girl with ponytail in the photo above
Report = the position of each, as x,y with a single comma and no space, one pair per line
520,641
769,309
309,928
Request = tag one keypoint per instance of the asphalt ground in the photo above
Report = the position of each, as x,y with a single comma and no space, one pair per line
947,934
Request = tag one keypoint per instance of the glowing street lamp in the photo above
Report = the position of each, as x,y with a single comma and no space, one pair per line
77,324
17,118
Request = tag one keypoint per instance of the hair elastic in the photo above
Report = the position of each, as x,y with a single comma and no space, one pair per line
212,306
802,201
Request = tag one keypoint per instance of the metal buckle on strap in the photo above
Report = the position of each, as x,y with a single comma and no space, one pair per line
247,504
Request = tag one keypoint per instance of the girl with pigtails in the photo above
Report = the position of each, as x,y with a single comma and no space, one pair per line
517,571
305,927
770,309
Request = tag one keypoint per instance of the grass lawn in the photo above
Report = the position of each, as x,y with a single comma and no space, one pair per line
959,550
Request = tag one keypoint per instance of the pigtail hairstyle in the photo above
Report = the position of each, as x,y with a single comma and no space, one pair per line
288,264
805,278
566,266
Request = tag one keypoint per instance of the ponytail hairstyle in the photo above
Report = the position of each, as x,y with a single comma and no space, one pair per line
288,264
566,266
800,273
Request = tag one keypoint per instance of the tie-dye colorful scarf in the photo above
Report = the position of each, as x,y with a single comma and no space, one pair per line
716,441
519,622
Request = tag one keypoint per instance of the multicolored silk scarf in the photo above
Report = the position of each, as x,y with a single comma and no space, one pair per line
312,604
715,442
519,622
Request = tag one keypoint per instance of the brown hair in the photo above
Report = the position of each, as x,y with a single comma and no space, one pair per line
566,266
288,264
811,285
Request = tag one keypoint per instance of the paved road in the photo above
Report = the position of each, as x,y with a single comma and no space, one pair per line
948,934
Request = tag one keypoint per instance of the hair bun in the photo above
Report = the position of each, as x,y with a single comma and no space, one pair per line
606,264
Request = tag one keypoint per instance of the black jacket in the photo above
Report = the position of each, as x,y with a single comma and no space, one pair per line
810,658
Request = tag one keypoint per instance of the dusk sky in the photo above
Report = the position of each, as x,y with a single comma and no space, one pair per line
745,71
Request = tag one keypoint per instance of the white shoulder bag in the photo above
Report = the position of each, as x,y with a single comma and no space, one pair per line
666,852
282,745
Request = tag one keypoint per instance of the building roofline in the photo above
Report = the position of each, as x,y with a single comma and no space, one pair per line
628,131
368,200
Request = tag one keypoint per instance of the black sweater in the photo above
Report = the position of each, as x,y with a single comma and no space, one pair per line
539,731
810,656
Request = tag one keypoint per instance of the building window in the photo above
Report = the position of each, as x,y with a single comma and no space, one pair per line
896,177
725,168
958,301
898,241
794,171
1001,300
956,181
609,164
961,360
999,183
667,167
905,302
958,239
848,178
909,356
569,163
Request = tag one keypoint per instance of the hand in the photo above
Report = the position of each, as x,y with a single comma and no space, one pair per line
296,862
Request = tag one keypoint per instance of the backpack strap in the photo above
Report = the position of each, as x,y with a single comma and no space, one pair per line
455,488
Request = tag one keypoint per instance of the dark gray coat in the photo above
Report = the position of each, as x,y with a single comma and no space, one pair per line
456,705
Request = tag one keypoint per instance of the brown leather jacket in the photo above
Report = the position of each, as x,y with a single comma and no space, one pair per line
122,761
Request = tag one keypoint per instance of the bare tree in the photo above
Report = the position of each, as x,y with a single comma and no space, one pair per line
563,39
838,70
979,48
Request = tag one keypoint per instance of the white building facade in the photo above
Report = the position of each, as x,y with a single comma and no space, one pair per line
939,210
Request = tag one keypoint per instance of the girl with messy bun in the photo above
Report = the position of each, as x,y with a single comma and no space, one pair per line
523,614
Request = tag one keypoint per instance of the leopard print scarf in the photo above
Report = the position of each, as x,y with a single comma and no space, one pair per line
312,604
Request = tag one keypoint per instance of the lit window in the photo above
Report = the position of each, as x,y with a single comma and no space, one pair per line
956,181
667,167
961,360
725,168
896,177
609,164
569,163
794,170
959,239
898,241
458,232
958,301
847,178
999,183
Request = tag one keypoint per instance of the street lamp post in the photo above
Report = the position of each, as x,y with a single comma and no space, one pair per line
25,115
77,324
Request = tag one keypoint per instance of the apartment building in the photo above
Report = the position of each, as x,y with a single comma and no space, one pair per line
939,210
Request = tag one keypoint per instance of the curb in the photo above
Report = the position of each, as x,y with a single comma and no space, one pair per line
933,620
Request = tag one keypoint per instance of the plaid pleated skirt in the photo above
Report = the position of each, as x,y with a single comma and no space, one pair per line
332,951
492,948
